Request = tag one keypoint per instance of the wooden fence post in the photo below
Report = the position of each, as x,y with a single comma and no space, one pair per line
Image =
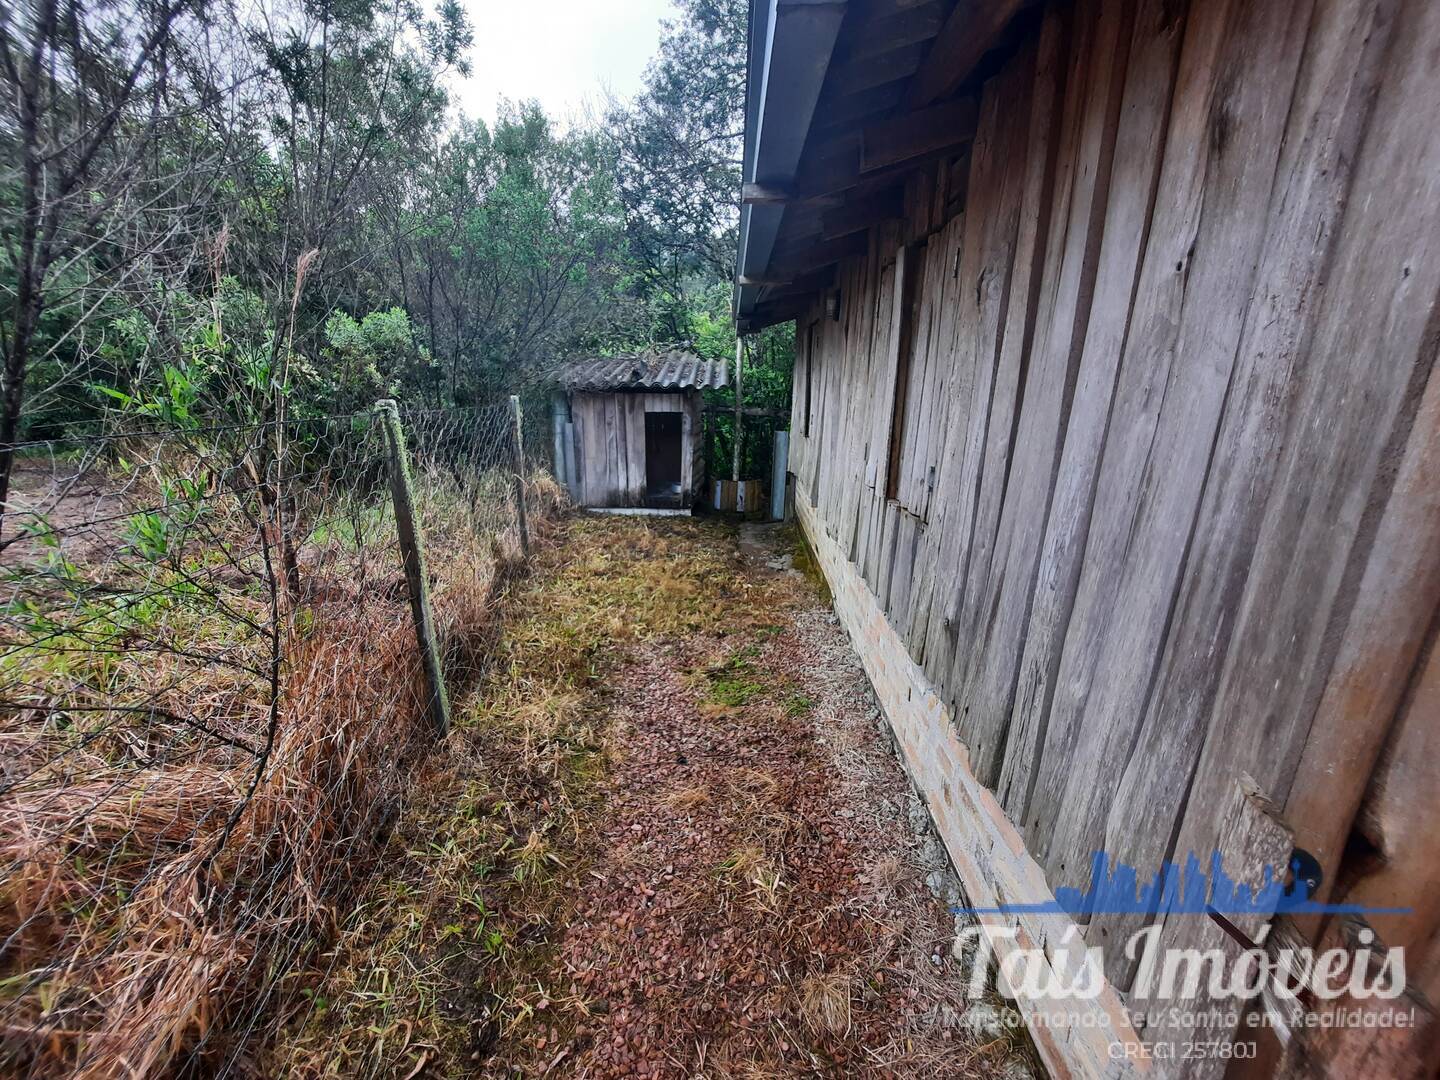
412,555
518,449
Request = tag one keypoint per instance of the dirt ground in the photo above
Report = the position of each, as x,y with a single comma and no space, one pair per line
669,839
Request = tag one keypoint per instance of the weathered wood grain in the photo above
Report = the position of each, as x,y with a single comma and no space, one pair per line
1096,489
983,277
1021,491
1398,818
1251,841
1074,390
1327,122
1397,599
1146,503
1337,466
1178,315
1012,320
1342,1052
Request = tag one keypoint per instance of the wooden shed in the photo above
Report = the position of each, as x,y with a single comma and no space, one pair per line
1116,431
629,429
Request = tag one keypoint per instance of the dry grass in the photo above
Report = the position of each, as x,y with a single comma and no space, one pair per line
885,874
755,875
571,871
449,953
688,797
825,1002
138,929
158,915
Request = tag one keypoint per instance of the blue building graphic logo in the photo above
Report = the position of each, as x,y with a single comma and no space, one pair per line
1116,890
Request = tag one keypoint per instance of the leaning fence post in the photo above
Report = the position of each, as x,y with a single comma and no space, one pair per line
517,447
412,554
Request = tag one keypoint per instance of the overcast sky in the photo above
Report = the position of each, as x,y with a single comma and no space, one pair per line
566,53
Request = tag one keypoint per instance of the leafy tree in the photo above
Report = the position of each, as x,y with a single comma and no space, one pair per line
363,361
99,163
678,150
282,213
513,253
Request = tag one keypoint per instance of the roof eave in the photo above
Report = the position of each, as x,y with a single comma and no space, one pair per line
793,41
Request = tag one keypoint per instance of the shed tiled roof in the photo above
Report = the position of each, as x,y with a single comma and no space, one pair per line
673,370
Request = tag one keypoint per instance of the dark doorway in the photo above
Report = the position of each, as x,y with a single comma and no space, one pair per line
663,446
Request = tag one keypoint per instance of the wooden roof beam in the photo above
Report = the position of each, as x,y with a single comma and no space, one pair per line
801,285
769,314
968,34
919,134
866,72
877,152
784,195
820,279
766,194
859,214
812,257
891,30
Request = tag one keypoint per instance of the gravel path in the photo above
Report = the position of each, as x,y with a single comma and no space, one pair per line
758,900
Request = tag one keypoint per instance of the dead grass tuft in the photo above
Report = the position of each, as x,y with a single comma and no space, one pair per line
688,797
825,1002
171,943
885,874
754,874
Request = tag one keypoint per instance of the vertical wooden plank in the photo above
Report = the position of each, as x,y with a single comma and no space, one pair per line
615,481
1030,89
937,395
1254,846
982,288
1398,817
1084,530
594,466
933,579
1101,233
913,458
638,408
1153,476
578,435
1012,328
1090,152
940,361
892,293
1338,464
1396,605
1330,114
1354,1043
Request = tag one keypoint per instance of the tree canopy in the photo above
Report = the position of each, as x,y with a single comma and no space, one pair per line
281,203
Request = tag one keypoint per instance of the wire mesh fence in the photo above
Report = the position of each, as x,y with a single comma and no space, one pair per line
210,700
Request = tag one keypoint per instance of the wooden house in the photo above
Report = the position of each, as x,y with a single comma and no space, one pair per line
1116,431
628,429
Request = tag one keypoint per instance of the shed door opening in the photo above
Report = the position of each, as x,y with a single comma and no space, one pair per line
662,457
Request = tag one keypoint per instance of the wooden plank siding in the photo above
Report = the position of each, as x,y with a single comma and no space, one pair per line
1128,428
610,444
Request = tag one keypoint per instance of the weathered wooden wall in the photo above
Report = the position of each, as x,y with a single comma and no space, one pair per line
1149,483
610,444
